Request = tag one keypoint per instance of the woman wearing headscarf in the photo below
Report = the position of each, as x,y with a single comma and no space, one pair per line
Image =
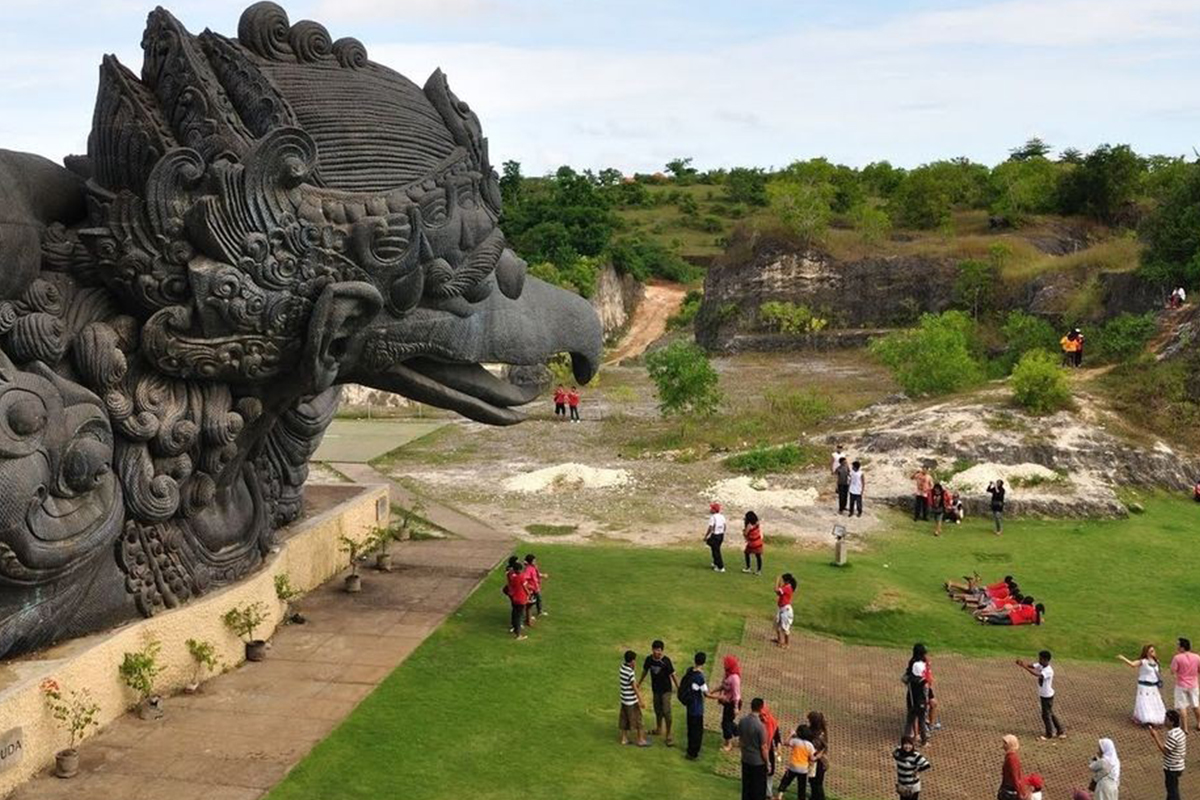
771,725
729,695
1012,781
1106,772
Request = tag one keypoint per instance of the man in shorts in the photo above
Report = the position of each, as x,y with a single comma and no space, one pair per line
631,703
663,685
1185,666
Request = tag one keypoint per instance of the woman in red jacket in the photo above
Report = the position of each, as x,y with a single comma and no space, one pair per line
752,532
1012,781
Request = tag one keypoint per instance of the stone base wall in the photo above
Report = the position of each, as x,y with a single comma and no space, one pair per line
308,552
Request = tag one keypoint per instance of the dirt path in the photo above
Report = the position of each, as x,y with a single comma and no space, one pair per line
649,320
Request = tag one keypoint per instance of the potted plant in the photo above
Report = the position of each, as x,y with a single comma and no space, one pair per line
204,653
380,541
353,548
138,670
286,593
243,621
74,711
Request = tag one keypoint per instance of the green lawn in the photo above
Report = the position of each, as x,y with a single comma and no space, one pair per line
474,714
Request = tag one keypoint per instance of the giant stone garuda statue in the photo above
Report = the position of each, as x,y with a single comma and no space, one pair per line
256,221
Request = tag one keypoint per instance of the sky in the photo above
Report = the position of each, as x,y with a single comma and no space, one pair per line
632,84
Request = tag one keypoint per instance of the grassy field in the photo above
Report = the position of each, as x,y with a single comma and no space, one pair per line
474,714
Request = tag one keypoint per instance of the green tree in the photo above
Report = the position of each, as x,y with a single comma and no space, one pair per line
1071,155
880,178
803,208
974,287
681,169
1104,186
610,177
932,358
1033,148
1023,332
745,185
1023,187
1039,385
1172,232
873,224
510,181
684,379
922,200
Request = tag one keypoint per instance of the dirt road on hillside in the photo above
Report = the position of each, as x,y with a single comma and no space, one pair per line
649,320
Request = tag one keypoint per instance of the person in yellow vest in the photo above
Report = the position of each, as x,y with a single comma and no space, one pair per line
1069,345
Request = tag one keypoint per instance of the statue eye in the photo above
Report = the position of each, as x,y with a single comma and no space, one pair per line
23,421
26,416
433,208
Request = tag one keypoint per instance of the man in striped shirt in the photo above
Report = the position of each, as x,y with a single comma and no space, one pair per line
631,703
1173,749
909,766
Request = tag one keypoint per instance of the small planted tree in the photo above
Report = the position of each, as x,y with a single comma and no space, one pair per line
353,548
138,671
285,592
685,380
204,653
1038,385
75,712
244,621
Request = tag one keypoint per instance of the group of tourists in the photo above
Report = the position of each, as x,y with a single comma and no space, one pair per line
851,483
566,400
1000,603
933,497
523,586
714,537
1072,348
758,732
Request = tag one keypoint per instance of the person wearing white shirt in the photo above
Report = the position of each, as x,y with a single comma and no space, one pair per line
858,484
838,455
1045,677
714,536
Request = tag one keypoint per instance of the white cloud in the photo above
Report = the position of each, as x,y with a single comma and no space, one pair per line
328,11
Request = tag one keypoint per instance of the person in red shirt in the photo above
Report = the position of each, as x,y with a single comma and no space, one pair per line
1024,614
1012,781
785,590
573,402
752,532
560,401
533,575
516,586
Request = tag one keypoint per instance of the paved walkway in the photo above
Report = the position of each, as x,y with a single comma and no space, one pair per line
246,729
361,440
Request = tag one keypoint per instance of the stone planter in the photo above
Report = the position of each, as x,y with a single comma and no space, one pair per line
383,562
66,763
353,584
150,708
256,650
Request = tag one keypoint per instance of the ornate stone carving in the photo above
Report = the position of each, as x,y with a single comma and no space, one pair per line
256,220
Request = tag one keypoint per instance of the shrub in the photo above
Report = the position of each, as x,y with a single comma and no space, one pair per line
243,620
1039,385
790,317
802,207
762,460
1124,337
932,358
748,186
204,653
975,284
686,315
873,224
139,669
74,711
1023,332
685,380
283,590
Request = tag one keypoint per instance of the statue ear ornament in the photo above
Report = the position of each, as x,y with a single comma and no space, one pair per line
342,310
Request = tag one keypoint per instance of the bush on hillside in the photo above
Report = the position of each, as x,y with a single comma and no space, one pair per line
1104,186
685,380
873,224
1124,337
1172,232
744,185
920,201
645,258
686,315
1039,385
1023,332
932,358
801,207
791,318
764,460
579,275
1022,188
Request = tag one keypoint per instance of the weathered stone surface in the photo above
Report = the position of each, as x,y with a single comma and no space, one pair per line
257,220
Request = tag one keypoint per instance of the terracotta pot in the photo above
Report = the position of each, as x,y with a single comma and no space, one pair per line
383,562
353,583
256,650
150,708
66,763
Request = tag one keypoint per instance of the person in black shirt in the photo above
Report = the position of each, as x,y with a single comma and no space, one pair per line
996,490
663,685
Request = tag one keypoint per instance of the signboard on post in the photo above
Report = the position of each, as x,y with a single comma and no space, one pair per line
12,748
839,545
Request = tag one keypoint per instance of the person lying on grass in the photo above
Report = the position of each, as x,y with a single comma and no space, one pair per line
990,594
1024,614
1001,605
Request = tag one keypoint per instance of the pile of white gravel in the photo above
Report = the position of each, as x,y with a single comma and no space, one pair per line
567,475
748,494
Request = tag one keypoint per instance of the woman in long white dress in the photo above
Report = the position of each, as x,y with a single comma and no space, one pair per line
1148,708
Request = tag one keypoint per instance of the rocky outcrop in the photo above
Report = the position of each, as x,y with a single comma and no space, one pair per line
879,291
615,299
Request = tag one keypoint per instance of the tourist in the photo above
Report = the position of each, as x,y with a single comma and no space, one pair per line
729,696
1034,786
1185,666
1012,782
1106,772
858,485
1026,613
753,738
631,703
1068,345
801,762
1148,708
996,490
916,695
516,586
939,501
842,474
752,533
836,458
820,740
924,485
785,590
771,725
560,401
931,703
1078,353
1045,678
1174,749
909,766
573,403
534,576
663,684
693,689
1196,492
958,512
714,536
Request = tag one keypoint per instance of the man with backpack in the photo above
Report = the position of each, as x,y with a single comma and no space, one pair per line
693,688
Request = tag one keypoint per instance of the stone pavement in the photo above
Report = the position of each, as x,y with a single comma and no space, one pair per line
361,440
246,729
980,699
444,517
